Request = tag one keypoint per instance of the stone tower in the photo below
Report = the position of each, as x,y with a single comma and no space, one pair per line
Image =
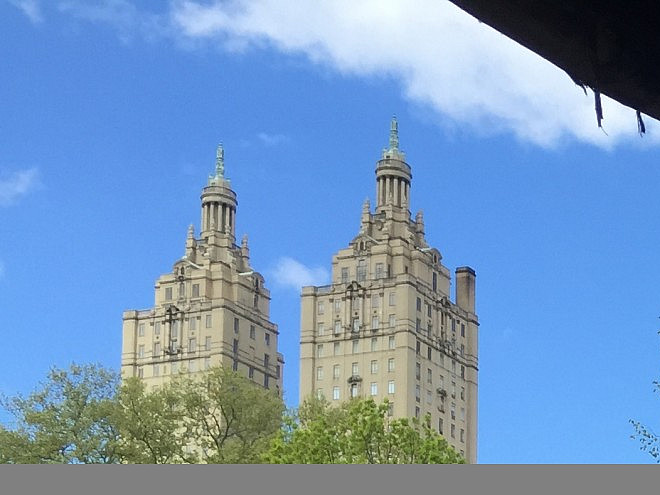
386,326
211,309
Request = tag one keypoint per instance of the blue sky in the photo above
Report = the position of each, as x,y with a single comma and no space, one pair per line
110,113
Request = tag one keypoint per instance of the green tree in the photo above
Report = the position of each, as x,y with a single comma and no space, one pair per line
68,419
357,432
650,442
228,418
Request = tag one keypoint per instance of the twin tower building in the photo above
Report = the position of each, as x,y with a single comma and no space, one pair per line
384,328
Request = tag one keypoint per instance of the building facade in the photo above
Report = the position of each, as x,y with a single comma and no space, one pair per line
386,327
211,309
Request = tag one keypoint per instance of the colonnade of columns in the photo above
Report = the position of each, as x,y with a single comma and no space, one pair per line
219,217
396,187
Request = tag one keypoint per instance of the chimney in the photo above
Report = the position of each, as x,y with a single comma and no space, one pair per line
465,288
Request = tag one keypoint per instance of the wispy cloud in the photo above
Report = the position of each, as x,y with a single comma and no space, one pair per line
471,75
272,139
31,8
17,184
291,273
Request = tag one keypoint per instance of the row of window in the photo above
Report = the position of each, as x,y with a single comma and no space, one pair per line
355,371
182,291
253,331
356,303
429,356
193,324
381,271
355,346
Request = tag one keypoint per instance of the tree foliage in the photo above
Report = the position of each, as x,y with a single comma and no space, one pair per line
357,432
650,442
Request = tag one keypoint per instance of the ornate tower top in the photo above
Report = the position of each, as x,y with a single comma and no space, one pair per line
219,167
393,174
393,150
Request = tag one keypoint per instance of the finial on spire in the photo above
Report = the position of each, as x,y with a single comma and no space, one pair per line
394,134
220,162
191,230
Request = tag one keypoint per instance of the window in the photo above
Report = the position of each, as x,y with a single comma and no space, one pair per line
429,375
356,325
266,377
419,304
141,351
462,371
453,389
140,372
390,387
336,349
193,323
374,367
319,393
417,412
175,330
428,310
375,323
335,393
462,435
390,342
417,393
390,409
392,322
453,410
453,325
462,329
441,382
418,371
392,298
440,425
236,325
344,275
192,345
141,330
195,290
251,372
462,393
235,347
374,388
156,370
379,271
337,327
453,366
428,397
321,308
319,350
192,366
335,371
209,321
442,359
168,293
429,353
253,332
157,328
156,349
374,344
362,271
390,364
267,338
418,347
319,373
354,347
207,343
375,301
462,414
462,349
354,369
435,281
337,305
207,363
418,325
320,330
354,390
453,431
266,361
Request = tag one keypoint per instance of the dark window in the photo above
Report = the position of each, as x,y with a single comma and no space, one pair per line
418,347
429,352
236,325
235,346
462,330
435,281
419,304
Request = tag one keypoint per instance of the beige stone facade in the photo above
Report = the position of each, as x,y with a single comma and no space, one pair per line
386,326
211,309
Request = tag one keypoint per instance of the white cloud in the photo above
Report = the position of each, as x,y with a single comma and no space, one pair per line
17,184
291,273
31,8
272,139
443,57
